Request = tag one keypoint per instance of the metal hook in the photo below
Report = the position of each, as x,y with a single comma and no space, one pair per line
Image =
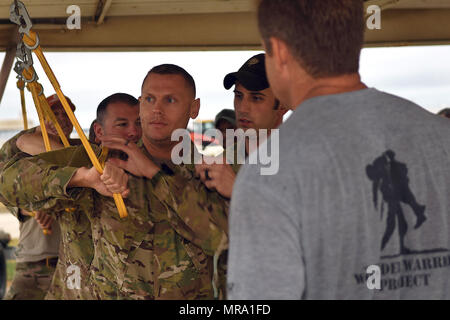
19,67
18,14
23,53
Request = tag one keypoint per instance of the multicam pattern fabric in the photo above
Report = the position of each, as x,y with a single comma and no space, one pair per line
164,249
31,281
76,247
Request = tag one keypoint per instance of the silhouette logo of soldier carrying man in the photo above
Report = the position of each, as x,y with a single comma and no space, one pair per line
390,177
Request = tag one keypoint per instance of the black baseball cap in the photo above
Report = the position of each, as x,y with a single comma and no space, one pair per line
252,75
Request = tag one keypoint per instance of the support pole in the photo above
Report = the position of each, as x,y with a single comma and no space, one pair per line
6,69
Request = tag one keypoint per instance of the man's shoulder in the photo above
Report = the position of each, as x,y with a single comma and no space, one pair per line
9,149
12,140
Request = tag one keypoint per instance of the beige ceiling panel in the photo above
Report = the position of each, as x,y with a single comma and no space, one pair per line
122,8
50,9
206,24
404,28
421,4
175,32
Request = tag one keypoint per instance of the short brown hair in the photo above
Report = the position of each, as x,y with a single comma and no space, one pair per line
165,69
324,36
114,98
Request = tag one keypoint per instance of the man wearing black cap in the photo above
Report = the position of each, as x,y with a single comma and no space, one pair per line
256,108
254,102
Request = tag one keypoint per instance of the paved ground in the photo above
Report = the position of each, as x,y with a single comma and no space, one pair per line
9,224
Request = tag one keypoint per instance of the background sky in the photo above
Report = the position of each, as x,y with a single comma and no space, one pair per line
420,74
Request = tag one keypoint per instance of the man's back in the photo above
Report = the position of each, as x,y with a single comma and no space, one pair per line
363,181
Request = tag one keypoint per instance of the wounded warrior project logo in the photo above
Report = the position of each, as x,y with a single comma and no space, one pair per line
401,269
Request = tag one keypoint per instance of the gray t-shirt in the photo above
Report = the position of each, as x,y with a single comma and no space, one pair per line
364,180
34,245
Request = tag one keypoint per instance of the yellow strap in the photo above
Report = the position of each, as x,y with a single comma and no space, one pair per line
103,156
46,111
33,88
21,86
30,40
51,116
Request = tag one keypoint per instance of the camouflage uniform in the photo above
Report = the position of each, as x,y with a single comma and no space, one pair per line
31,280
163,250
76,247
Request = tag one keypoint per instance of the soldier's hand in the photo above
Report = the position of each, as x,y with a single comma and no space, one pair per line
45,221
90,178
114,178
137,164
220,177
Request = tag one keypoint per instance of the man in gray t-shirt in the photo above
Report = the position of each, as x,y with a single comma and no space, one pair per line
359,208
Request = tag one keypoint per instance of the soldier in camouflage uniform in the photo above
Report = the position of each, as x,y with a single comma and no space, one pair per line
164,249
117,114
36,253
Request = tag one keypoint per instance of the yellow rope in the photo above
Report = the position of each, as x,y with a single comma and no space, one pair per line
103,156
48,113
30,40
21,86
33,88
45,110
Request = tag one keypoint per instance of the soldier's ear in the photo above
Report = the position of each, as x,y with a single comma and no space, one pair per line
279,113
98,130
195,108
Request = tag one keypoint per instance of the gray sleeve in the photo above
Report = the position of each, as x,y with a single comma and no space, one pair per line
265,256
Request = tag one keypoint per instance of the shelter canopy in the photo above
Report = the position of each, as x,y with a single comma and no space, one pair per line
139,25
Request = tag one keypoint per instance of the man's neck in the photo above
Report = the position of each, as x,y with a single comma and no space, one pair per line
161,151
326,86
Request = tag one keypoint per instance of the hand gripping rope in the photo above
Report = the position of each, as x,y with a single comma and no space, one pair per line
19,16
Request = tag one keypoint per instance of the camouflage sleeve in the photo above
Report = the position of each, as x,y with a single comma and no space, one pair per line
40,182
7,152
9,148
196,213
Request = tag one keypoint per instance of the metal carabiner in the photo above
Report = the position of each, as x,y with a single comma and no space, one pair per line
19,67
23,53
18,14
